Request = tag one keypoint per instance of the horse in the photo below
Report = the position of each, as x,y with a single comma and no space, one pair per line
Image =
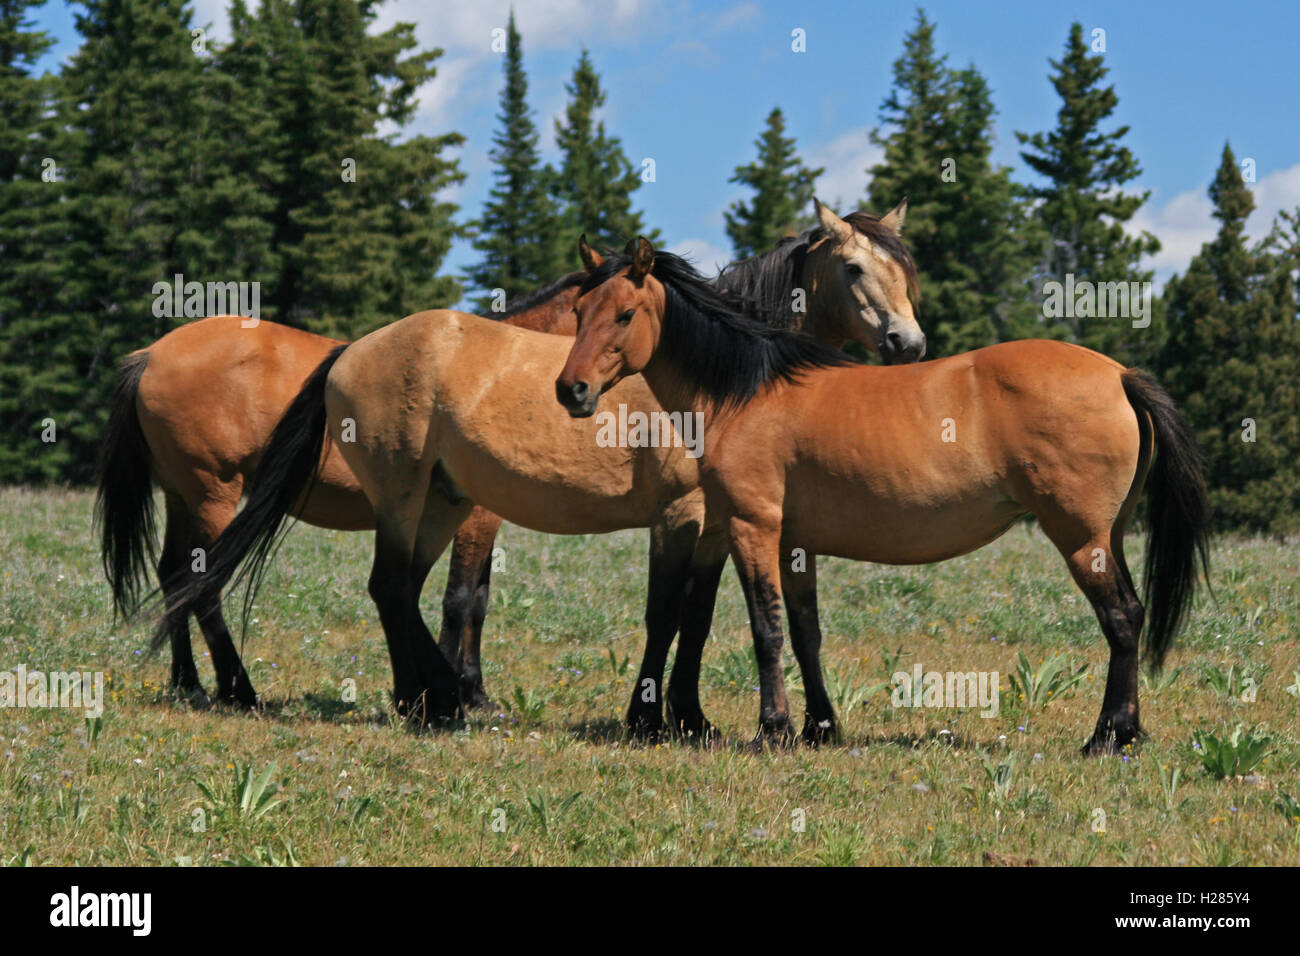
428,427
193,412
903,464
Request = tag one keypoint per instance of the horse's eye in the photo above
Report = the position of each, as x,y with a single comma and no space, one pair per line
853,269
626,317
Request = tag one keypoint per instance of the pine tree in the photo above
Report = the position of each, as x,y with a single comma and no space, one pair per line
31,233
520,221
1082,206
783,191
967,223
595,182
356,214
128,143
1232,358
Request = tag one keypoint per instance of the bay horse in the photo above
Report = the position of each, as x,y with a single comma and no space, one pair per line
903,465
192,413
442,410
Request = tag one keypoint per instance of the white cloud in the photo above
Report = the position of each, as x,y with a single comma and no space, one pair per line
214,12
846,159
705,256
1186,221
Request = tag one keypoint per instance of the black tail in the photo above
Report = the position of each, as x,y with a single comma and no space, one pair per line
285,474
124,511
1178,515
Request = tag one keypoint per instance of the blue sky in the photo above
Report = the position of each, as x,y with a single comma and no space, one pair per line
689,84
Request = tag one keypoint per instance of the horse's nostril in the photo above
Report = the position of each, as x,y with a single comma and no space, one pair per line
579,391
895,341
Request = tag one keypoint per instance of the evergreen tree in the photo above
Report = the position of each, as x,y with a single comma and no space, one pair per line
127,143
595,182
31,233
520,221
783,191
967,223
356,214
1082,207
1232,358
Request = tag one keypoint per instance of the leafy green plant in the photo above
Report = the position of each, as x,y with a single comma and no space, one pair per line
1169,780
890,661
268,856
1053,678
1294,687
1163,680
546,813
94,728
617,667
25,858
1000,775
1232,682
527,705
735,670
1286,805
846,693
1237,754
245,797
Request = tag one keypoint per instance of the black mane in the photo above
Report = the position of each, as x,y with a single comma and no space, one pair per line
771,277
727,345
545,294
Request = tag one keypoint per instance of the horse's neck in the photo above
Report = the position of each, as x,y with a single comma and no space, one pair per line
554,317
671,389
815,320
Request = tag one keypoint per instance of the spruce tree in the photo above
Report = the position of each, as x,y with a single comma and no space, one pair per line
516,232
595,182
1232,358
967,223
31,237
1082,206
783,190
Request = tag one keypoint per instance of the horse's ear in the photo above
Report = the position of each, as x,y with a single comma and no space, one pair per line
840,230
630,248
895,218
643,260
591,259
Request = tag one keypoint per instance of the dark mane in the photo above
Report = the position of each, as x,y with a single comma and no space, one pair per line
545,294
770,277
727,345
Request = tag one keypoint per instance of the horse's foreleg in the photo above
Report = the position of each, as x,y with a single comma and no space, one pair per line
800,589
684,711
756,550
670,560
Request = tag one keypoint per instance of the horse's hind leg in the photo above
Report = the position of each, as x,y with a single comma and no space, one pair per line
233,683
1097,564
172,565
800,589
464,604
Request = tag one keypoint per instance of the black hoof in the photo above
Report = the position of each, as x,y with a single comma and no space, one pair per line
194,694
689,723
643,725
818,732
473,697
776,731
1111,738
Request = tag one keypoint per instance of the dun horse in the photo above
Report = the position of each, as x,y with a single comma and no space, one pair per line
438,428
903,465
193,412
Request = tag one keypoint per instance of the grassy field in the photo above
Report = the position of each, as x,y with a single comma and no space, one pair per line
549,778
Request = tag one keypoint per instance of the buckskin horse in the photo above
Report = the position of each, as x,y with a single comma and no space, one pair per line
437,429
903,465
193,412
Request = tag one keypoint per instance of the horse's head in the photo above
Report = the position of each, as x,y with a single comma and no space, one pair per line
861,277
619,319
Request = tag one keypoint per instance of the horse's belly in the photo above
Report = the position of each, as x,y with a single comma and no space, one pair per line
894,530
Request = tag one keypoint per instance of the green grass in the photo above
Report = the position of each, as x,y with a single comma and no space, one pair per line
549,778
